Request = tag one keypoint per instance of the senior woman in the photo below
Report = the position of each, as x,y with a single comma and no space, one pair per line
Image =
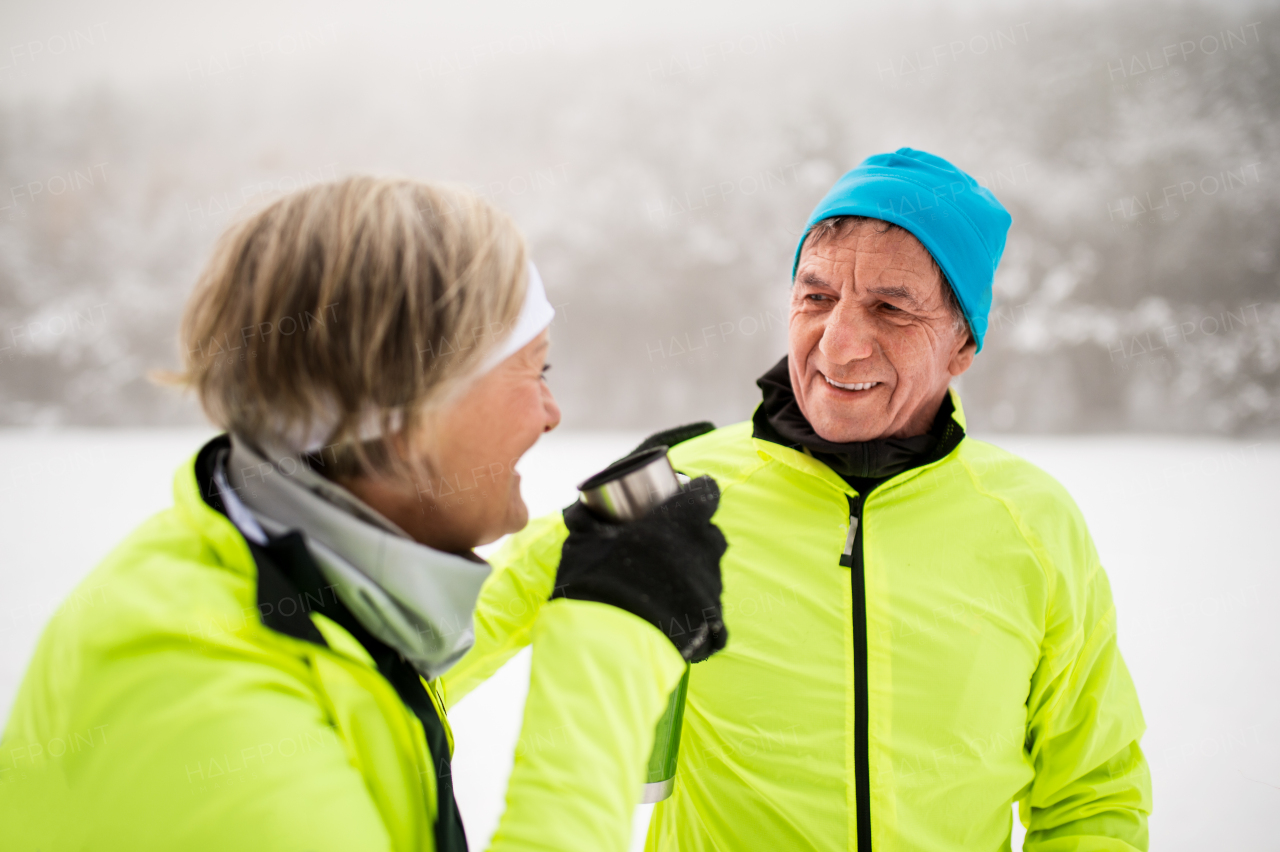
262,670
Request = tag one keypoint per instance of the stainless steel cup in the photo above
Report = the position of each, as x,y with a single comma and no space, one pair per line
622,492
630,487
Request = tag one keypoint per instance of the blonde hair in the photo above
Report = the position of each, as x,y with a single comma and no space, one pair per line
346,304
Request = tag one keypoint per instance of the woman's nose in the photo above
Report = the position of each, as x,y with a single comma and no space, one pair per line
552,409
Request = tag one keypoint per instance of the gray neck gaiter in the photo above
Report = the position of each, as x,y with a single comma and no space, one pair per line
414,598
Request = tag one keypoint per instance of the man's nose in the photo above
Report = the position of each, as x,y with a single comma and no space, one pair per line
847,335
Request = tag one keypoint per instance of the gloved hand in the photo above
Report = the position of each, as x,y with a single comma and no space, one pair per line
663,567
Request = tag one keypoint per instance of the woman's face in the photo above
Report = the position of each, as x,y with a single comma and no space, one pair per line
473,496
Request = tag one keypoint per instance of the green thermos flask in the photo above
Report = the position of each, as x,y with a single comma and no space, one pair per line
622,492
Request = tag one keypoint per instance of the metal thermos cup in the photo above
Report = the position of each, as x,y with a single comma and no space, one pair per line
630,487
625,491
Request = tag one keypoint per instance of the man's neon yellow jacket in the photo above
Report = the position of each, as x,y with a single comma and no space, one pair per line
161,712
897,688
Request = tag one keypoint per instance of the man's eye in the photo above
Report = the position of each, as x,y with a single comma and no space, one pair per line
816,296
889,307
545,367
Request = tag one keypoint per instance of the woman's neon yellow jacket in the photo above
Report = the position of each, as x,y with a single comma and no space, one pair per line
962,658
161,713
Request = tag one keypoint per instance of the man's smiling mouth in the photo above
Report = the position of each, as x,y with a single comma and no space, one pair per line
853,386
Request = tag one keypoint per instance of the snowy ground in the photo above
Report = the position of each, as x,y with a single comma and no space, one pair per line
1186,528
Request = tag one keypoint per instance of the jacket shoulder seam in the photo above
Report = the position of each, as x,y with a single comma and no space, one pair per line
1032,541
742,472
747,474
1043,559
1028,534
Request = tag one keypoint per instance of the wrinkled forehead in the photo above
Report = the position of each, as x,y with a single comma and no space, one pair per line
844,241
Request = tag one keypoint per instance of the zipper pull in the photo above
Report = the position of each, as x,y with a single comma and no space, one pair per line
846,558
855,509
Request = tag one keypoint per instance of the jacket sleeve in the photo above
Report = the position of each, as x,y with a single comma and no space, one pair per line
524,572
601,678
1092,787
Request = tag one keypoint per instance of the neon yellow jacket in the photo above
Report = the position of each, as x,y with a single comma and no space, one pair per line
161,713
991,672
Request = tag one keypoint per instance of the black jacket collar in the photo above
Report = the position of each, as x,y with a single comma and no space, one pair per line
778,419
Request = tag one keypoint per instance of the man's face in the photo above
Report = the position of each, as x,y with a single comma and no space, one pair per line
867,311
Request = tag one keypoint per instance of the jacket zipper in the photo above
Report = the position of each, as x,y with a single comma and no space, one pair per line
852,559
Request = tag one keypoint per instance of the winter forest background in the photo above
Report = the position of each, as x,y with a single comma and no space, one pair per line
662,157
661,162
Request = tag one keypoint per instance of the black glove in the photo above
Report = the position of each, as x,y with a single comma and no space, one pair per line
663,567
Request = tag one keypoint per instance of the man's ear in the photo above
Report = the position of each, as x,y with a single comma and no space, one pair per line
962,358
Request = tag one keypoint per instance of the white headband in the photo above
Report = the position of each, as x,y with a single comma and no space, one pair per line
535,314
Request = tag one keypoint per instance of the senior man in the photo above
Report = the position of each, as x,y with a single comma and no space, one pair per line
921,633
